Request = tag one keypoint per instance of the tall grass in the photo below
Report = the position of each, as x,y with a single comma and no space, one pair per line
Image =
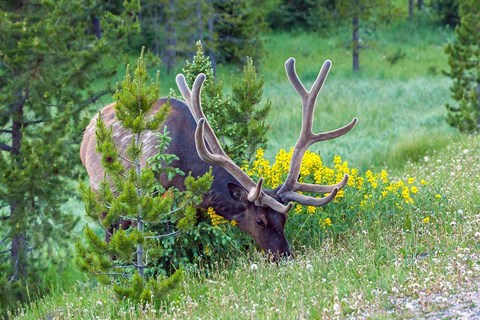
379,271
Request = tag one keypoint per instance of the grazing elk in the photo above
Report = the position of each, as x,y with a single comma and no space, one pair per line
260,212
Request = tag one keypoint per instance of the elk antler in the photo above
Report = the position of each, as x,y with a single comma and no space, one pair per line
217,155
287,191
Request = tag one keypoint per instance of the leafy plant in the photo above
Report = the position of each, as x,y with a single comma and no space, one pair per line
239,119
369,197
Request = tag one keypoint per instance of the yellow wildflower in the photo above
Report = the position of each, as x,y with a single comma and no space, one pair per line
340,194
353,177
383,176
414,189
337,160
411,180
311,209
298,209
426,220
317,176
438,196
233,223
259,154
328,222
359,183
215,218
423,182
406,195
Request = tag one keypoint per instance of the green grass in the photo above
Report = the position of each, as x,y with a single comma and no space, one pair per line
369,272
372,270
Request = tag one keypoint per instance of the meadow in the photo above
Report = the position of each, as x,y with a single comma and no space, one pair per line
385,262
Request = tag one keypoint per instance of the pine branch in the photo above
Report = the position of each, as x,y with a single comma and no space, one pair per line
125,275
171,234
5,147
91,100
126,159
4,239
27,123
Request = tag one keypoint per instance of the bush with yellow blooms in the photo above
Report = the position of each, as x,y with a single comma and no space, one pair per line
369,197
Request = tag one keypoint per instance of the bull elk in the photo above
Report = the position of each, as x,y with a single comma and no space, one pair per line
260,212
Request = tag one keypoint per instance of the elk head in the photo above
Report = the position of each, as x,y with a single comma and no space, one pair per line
263,212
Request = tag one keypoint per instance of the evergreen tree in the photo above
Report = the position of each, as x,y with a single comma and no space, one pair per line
129,259
302,14
238,120
464,61
446,11
246,116
170,27
48,61
237,28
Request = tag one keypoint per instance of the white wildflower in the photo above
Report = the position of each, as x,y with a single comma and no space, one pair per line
253,267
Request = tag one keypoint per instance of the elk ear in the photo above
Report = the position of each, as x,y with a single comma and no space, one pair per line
237,192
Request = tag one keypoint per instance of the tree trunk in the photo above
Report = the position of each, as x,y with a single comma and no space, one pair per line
410,9
170,51
355,43
199,20
140,224
97,30
478,104
420,5
156,24
19,241
210,52
140,251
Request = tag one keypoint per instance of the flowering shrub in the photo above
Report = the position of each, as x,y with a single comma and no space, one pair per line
369,197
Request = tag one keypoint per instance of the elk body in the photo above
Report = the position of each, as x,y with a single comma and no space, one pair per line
260,212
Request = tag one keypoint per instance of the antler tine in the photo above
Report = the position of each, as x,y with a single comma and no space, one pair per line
311,201
193,100
184,89
255,193
287,191
307,187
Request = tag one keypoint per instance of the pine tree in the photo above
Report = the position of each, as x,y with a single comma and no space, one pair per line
237,28
246,115
238,120
312,15
464,61
137,197
48,62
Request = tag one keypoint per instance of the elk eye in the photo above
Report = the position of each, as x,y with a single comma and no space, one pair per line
260,223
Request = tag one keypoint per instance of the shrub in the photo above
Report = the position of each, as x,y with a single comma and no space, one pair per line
368,198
